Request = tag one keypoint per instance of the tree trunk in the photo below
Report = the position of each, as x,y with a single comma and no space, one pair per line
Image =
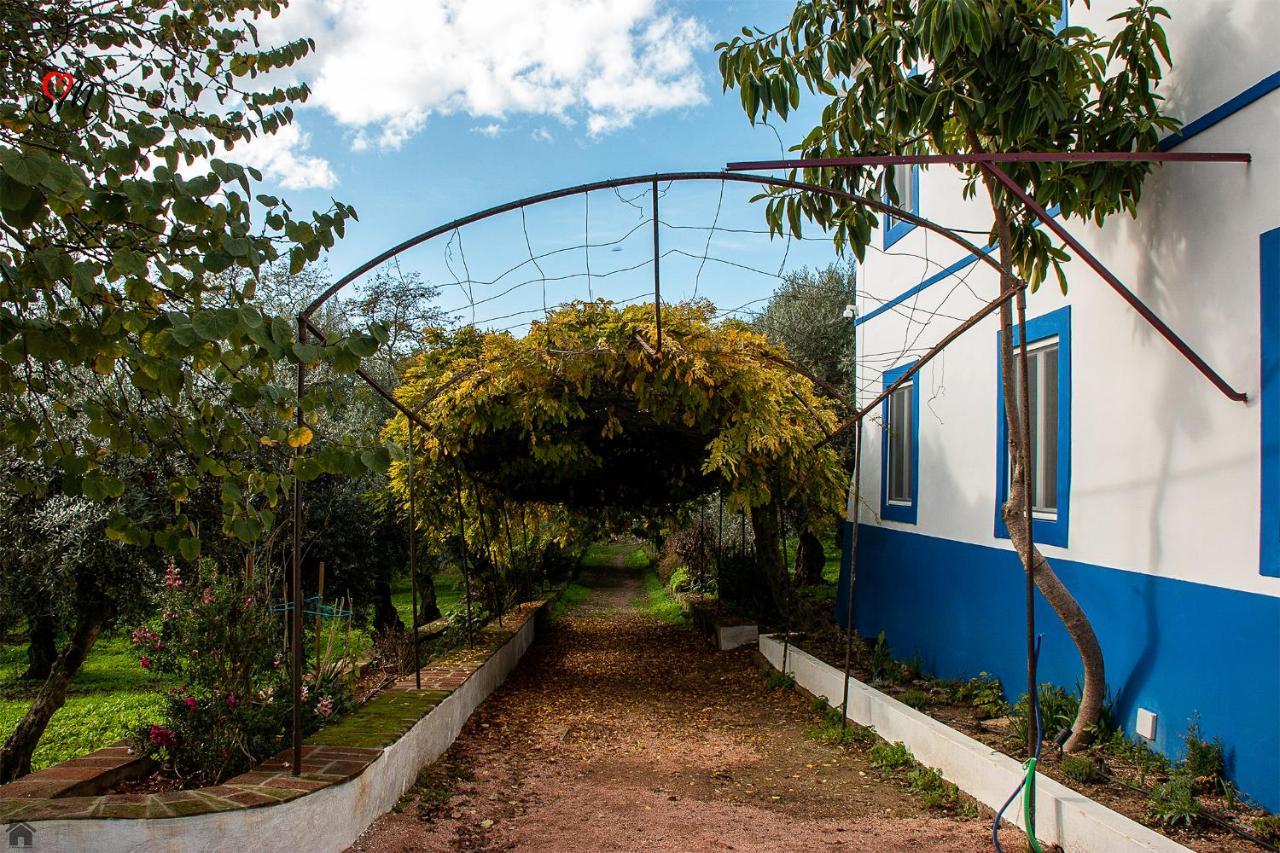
428,607
1014,513
386,619
15,756
768,542
42,652
810,559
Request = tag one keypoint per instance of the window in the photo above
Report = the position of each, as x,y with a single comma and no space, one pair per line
900,448
1049,395
1063,18
906,181
1269,538
1042,390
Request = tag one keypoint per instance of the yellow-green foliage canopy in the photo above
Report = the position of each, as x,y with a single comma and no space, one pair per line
584,412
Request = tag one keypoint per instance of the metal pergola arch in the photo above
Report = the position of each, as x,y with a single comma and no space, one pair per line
306,328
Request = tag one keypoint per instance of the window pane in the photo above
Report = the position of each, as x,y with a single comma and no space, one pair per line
900,443
1042,363
1047,469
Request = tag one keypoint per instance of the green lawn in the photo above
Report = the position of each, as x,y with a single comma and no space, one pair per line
449,591
112,696
108,700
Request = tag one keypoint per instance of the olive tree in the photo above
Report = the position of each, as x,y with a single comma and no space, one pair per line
957,76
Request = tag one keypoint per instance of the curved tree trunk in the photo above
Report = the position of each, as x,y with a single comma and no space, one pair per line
15,756
1014,513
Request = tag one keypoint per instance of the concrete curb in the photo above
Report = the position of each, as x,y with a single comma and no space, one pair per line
1063,816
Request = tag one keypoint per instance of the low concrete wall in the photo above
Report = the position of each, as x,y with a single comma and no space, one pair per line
327,820
1063,816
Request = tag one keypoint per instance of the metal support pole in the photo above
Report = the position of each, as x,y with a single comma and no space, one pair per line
854,509
462,552
1125,293
413,564
786,577
295,625
1024,390
719,539
657,270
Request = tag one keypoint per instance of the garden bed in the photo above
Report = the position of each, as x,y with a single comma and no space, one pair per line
1116,773
378,749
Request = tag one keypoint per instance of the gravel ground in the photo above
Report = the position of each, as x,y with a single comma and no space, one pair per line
620,732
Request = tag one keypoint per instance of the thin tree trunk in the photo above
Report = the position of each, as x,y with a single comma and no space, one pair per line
1014,513
15,756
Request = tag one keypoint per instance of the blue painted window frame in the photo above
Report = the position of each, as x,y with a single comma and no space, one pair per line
1043,530
895,231
1269,311
905,513
1063,19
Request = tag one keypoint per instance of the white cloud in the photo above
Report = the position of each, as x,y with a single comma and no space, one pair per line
541,134
283,159
491,130
382,67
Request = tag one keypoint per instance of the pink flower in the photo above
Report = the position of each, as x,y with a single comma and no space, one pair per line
232,701
161,736
142,636
190,702
172,580
145,663
325,706
206,597
305,693
248,601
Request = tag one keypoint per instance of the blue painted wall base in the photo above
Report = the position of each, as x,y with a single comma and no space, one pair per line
1181,649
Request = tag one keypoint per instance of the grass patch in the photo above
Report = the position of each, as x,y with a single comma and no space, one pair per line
890,756
829,730
659,602
85,723
108,700
572,595
1080,768
931,789
638,558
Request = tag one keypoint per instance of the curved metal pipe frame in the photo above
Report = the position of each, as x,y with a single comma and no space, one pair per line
306,326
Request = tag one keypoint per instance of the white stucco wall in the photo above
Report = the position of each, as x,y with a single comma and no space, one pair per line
1165,470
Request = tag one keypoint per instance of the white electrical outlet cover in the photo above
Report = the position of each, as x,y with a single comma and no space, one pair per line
1146,724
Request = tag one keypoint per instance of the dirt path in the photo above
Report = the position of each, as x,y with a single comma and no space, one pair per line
620,732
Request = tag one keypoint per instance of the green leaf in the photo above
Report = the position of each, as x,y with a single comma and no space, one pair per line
362,345
215,325
13,194
26,167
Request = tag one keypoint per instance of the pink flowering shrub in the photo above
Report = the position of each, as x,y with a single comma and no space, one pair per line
224,647
233,709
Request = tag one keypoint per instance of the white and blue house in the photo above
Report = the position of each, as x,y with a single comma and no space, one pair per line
1156,499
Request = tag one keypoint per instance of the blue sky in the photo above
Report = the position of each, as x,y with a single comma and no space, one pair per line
425,111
